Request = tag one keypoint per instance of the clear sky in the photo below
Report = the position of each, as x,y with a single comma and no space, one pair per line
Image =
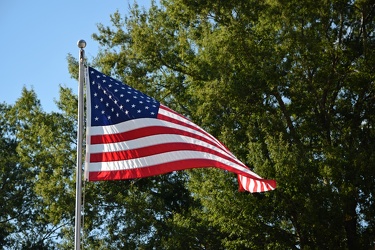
36,37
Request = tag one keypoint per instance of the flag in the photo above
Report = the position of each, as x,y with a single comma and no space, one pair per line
131,135
254,185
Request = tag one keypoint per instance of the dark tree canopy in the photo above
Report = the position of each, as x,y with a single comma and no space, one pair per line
289,87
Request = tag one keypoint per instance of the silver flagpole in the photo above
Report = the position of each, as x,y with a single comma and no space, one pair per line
77,239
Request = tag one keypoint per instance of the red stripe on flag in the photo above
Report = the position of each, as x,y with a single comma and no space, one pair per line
191,126
153,150
172,111
143,132
148,171
163,168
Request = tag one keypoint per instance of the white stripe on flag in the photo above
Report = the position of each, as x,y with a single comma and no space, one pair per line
162,158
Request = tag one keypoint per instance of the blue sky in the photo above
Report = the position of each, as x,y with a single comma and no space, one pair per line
36,37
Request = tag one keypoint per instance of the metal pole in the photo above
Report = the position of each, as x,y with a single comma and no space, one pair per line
77,239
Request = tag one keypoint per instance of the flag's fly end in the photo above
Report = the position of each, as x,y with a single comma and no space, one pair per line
253,185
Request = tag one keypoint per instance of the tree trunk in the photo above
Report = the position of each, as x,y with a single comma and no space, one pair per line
351,225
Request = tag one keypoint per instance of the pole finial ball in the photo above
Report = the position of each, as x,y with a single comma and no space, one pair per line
81,44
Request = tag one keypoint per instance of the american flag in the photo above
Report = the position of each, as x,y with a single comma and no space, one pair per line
131,135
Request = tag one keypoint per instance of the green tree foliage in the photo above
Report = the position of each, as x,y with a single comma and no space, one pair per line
37,166
14,191
286,85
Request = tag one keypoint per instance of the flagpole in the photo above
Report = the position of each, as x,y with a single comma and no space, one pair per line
77,239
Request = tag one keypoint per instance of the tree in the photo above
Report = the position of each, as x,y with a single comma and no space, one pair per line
14,190
288,86
37,171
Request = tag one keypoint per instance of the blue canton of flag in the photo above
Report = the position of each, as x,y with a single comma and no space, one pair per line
114,102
